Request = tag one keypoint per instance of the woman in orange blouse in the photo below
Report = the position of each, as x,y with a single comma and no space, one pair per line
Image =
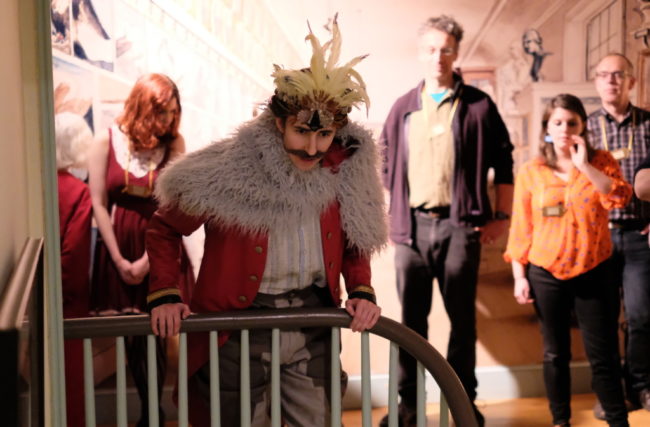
559,245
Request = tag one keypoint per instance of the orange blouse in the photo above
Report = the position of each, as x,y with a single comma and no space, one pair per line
575,242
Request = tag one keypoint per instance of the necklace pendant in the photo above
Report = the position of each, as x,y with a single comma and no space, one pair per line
137,190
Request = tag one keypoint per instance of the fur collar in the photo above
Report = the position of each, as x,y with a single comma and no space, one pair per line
248,181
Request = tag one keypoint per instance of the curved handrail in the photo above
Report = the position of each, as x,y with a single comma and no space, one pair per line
15,297
409,340
21,335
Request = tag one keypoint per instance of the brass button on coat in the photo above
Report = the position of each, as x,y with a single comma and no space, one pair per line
258,249
242,298
329,235
331,264
253,277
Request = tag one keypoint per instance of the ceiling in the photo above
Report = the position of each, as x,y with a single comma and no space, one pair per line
387,29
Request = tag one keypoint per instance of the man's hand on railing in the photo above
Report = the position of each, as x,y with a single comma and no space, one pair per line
364,313
166,318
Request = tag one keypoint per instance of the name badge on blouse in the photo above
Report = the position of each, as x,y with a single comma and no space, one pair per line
437,130
137,190
556,210
620,153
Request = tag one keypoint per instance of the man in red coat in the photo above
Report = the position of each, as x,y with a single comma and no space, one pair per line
289,203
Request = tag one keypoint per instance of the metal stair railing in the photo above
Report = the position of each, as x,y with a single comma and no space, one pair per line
453,396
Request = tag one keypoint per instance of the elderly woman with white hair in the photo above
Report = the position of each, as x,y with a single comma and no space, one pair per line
73,137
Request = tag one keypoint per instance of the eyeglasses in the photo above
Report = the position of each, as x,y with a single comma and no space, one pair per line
445,51
606,75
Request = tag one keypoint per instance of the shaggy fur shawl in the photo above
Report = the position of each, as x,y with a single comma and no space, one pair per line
248,181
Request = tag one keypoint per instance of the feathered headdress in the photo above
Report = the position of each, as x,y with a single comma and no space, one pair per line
324,93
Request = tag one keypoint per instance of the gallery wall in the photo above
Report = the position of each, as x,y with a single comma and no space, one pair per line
212,49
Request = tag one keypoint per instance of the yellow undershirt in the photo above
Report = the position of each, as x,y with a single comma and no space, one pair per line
431,153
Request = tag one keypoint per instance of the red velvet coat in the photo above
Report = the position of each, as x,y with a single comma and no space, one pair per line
75,212
233,263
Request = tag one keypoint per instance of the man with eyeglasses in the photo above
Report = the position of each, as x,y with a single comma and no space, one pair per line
624,130
440,139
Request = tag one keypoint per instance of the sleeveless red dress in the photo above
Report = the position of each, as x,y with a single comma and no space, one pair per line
131,215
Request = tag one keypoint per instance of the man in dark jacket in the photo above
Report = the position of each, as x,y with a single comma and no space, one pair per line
440,140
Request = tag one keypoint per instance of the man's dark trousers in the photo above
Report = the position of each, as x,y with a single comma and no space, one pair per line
450,254
631,269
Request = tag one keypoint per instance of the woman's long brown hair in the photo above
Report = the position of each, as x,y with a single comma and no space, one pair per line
139,119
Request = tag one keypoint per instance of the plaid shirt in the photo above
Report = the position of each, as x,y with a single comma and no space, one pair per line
618,135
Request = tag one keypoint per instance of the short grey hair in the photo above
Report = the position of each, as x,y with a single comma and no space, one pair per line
444,23
73,138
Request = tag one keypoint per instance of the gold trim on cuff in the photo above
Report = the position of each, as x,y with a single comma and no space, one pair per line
363,288
162,293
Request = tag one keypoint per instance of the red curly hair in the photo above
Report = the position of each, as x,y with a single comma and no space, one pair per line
139,119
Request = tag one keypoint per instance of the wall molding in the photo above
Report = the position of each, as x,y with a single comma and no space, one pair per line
495,382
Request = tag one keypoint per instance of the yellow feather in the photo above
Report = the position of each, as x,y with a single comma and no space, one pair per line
335,50
324,81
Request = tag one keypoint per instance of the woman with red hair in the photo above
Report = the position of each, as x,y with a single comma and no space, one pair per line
124,163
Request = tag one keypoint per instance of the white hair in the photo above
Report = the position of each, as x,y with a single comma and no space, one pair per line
73,138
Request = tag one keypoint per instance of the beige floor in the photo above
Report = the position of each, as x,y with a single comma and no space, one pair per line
530,412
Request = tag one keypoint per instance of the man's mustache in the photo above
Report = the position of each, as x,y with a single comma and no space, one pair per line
306,156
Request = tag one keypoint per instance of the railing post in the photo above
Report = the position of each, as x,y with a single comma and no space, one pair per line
444,411
392,384
421,396
335,381
182,381
89,386
152,381
215,409
366,405
120,373
275,378
245,380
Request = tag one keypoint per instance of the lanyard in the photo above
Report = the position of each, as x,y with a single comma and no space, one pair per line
562,208
630,138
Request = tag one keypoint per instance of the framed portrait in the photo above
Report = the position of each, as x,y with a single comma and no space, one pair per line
482,78
92,32
643,82
60,25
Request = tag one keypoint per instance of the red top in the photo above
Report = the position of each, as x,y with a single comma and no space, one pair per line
75,212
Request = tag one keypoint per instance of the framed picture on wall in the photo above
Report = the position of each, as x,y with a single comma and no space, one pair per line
643,83
482,78
60,25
